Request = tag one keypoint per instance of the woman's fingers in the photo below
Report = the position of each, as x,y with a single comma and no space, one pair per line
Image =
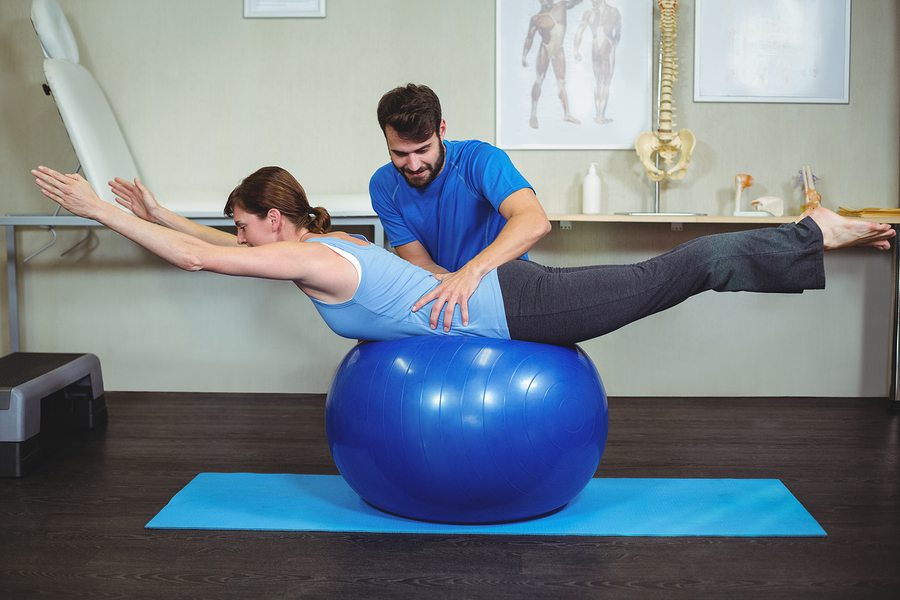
45,186
140,185
45,181
55,180
71,191
48,188
52,175
121,191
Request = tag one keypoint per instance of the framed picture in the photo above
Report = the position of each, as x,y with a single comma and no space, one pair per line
772,51
271,9
573,73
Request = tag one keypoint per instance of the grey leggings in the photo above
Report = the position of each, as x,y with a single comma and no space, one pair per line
569,305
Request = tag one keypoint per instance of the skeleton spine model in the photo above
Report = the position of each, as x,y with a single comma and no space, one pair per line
673,148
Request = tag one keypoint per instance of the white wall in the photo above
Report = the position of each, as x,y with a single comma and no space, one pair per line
205,96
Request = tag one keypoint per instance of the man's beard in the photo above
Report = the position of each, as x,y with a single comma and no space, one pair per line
433,170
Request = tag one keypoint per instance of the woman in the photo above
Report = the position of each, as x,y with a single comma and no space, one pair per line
365,292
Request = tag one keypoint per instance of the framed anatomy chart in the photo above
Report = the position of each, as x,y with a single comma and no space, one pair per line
573,73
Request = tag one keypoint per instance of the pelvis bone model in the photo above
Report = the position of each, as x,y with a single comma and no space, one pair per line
673,148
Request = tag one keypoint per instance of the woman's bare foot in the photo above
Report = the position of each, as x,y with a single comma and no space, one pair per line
841,232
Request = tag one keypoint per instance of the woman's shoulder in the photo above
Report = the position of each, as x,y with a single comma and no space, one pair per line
354,238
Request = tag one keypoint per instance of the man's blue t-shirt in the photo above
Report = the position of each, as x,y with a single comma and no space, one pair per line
455,216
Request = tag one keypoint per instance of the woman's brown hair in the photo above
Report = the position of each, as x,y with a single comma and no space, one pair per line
273,187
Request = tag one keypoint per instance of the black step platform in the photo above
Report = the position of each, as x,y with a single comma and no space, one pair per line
45,396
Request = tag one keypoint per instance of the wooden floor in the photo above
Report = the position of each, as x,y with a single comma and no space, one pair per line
75,527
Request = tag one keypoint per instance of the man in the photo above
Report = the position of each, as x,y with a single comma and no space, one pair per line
457,209
550,24
605,22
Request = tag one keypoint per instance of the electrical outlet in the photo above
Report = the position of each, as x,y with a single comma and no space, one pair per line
565,225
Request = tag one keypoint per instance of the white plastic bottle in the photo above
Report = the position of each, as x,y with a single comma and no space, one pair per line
590,192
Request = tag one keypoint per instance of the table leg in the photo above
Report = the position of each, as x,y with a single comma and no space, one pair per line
12,288
894,391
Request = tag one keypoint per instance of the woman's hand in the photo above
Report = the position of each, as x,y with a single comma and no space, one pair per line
135,197
71,191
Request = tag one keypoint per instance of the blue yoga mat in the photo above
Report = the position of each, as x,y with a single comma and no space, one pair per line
606,507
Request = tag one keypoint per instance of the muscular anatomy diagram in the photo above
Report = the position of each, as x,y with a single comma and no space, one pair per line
550,24
605,23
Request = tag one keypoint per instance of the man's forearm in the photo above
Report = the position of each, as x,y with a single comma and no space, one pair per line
432,267
436,269
516,238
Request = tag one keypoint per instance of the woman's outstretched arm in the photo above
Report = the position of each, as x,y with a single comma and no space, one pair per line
137,198
289,261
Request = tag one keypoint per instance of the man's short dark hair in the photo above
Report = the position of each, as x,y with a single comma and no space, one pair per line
414,112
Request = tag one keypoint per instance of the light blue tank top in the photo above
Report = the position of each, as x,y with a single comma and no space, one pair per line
389,286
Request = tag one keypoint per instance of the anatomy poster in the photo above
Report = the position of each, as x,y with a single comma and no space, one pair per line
573,73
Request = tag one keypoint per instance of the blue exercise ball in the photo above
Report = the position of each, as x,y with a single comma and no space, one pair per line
466,430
